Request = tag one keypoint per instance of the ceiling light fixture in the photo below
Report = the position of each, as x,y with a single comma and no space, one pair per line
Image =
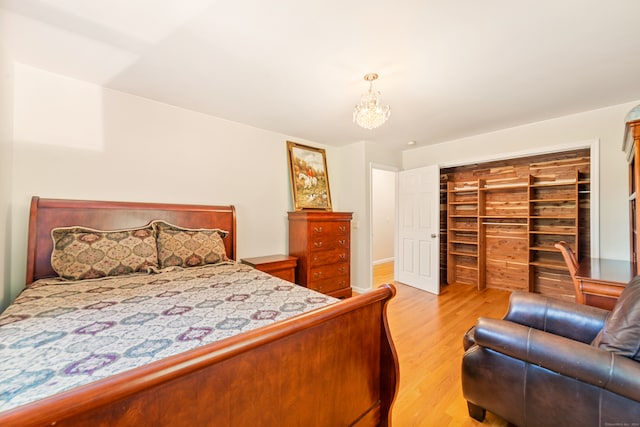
368,113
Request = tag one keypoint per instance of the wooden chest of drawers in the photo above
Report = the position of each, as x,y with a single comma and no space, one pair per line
322,243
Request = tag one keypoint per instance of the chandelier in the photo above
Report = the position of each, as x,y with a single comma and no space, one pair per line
368,113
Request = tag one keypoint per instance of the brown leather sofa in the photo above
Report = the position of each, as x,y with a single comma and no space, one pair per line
556,363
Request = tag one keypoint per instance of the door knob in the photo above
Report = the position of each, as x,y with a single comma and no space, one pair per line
434,235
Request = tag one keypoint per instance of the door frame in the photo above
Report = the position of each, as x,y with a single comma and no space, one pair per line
395,170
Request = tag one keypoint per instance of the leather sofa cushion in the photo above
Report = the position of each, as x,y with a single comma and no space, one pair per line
621,331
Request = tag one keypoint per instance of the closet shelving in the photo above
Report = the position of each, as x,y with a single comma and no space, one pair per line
501,232
443,228
462,233
554,216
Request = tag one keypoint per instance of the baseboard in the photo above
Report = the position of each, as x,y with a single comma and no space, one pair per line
383,261
358,290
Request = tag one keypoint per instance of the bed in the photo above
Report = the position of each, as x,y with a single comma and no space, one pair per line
334,365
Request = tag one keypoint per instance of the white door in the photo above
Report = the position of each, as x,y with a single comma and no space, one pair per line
418,228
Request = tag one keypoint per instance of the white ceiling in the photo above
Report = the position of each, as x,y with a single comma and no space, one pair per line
448,68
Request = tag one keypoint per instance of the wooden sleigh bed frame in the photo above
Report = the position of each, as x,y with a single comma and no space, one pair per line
333,366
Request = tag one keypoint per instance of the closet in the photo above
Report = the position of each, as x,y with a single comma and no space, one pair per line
503,218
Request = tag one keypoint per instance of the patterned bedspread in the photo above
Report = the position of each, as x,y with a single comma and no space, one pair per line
61,334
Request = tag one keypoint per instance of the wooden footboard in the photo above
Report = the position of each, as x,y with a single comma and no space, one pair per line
335,366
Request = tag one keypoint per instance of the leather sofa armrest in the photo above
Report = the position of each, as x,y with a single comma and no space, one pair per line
574,359
564,318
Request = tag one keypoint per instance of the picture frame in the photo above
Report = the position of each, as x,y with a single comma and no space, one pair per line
309,177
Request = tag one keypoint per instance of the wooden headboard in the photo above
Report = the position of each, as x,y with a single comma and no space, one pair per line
46,214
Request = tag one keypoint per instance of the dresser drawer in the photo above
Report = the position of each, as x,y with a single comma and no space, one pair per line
317,258
329,285
326,242
328,271
329,228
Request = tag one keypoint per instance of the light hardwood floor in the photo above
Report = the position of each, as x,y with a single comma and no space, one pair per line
427,331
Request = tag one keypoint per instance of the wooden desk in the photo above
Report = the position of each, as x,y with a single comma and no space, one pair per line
602,280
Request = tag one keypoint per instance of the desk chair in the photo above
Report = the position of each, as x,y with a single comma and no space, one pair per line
572,264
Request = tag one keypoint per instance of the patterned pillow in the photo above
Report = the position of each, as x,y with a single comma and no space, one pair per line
185,247
84,253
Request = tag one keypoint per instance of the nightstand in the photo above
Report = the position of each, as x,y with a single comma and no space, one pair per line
282,266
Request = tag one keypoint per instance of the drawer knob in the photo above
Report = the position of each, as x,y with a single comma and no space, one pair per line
317,229
317,274
342,256
342,228
341,269
342,242
317,244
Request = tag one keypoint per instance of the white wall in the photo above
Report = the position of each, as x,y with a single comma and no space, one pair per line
383,212
6,118
73,139
353,170
606,124
350,171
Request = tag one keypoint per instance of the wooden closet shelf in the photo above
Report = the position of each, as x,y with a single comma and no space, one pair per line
548,264
467,267
463,253
464,242
464,190
566,183
504,217
552,200
544,248
504,187
514,224
553,232
553,217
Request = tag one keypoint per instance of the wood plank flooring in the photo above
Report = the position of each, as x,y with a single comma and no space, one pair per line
427,332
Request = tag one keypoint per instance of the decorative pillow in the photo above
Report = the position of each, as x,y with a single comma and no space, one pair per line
185,247
621,331
84,253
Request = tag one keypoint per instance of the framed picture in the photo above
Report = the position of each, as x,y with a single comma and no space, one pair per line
309,178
